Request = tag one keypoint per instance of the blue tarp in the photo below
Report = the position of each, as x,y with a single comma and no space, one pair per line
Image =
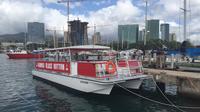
192,52
169,52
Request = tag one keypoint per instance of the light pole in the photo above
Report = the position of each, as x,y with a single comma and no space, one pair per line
185,20
145,35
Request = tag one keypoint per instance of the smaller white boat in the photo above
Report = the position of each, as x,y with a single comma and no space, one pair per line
91,72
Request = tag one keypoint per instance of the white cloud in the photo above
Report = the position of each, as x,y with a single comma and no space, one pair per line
165,9
50,1
98,3
71,4
123,12
195,38
15,13
170,12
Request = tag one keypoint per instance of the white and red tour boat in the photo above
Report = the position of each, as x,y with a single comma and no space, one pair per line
22,54
87,69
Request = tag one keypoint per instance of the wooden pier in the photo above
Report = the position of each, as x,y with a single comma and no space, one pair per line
188,83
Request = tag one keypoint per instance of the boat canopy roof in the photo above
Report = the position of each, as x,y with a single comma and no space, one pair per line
80,48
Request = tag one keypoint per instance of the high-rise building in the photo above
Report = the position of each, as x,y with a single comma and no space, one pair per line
152,29
96,38
172,37
36,33
141,35
164,28
128,33
78,32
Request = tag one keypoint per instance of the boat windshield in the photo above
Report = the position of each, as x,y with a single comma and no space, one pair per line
80,53
78,56
91,56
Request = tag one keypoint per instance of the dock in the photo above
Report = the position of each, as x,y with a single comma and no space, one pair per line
188,83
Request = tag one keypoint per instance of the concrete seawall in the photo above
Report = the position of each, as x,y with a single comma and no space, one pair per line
187,83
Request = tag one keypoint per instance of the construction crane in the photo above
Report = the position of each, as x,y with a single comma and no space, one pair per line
68,3
68,6
55,38
95,26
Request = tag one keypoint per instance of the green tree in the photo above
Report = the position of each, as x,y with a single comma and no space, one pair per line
151,44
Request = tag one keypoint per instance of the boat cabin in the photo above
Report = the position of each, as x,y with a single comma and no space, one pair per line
88,61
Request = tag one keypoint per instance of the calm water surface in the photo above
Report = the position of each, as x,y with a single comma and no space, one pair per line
19,92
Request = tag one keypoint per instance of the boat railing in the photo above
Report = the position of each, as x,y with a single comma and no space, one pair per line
129,67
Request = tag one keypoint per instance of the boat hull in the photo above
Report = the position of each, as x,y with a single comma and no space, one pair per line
25,56
132,84
80,84
88,85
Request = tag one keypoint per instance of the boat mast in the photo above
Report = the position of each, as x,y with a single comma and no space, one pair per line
185,20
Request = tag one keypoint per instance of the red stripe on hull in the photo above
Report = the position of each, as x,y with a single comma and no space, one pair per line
25,56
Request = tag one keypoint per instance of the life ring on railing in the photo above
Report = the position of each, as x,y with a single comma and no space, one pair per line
110,67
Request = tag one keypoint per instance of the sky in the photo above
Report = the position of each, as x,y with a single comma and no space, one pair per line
105,14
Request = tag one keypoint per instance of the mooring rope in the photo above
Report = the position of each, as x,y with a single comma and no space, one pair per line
166,96
154,101
183,107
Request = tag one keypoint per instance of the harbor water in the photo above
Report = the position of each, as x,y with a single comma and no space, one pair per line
19,92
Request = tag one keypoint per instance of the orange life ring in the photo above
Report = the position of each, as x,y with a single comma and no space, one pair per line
110,67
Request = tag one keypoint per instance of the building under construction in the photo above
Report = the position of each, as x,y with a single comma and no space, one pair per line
96,38
78,33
